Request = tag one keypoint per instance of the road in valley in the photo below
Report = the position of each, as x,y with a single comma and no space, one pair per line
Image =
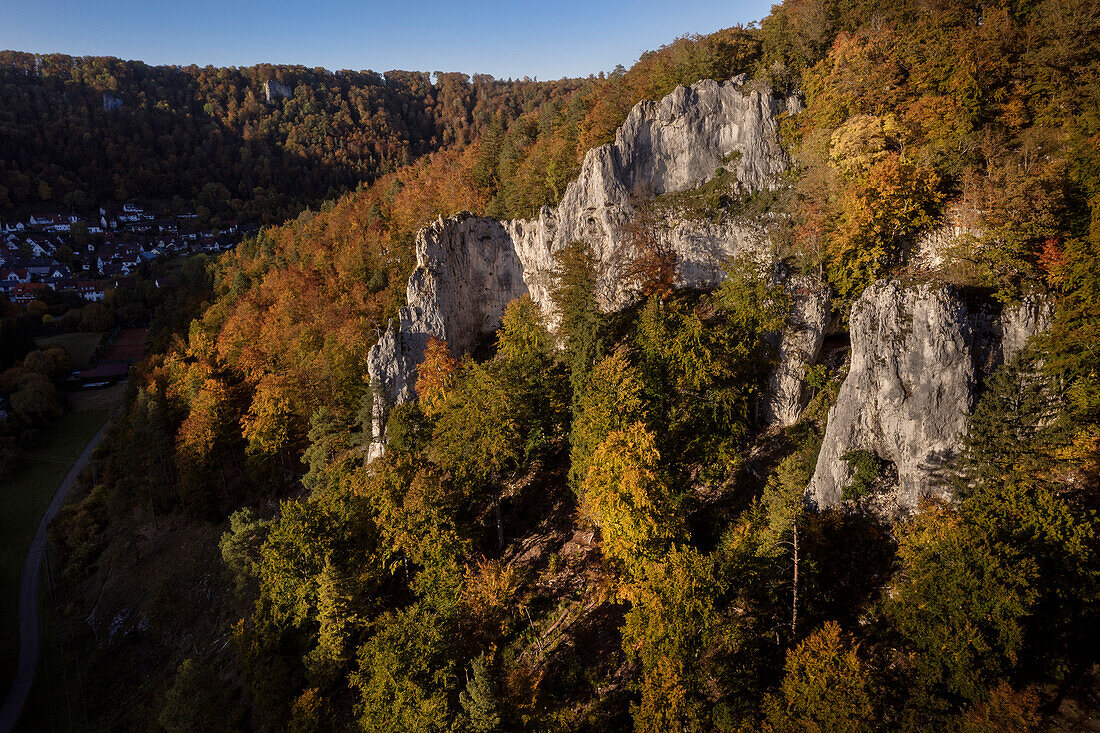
28,596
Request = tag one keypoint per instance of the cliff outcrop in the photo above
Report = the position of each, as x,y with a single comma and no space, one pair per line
466,273
799,348
469,267
277,90
918,357
665,147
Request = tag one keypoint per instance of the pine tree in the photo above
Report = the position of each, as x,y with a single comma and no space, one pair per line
785,503
480,700
575,281
334,619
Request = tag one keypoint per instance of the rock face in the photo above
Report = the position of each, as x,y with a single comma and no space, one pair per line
933,250
799,347
466,273
917,357
663,147
111,102
277,90
1022,321
468,267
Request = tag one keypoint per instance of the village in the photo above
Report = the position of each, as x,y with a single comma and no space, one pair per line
90,256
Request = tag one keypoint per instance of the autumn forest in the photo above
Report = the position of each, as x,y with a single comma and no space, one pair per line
586,521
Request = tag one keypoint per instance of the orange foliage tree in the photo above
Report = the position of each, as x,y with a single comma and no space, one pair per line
435,376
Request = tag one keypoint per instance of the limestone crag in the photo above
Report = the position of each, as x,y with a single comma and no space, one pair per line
918,355
1021,321
466,273
663,147
933,250
799,347
1001,333
277,90
908,391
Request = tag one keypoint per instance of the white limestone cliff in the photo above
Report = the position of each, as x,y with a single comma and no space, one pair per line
917,357
466,273
1021,321
663,147
277,90
799,347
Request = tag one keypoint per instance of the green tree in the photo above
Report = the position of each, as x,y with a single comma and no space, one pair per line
32,395
53,363
1013,428
705,363
825,687
336,619
784,501
528,364
199,700
672,626
882,211
97,317
403,678
610,400
479,437
575,280
957,606
480,700
523,336
240,546
1071,342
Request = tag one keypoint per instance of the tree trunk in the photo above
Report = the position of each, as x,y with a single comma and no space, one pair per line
794,590
500,523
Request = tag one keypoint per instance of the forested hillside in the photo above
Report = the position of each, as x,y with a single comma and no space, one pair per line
260,142
594,529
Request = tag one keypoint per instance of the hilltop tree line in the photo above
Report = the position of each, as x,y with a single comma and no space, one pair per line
588,530
208,137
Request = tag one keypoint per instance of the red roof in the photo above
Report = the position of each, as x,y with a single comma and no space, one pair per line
28,288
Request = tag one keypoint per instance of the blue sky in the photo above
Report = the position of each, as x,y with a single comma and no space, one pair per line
545,39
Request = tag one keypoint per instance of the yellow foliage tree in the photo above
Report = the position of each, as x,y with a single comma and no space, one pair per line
628,498
882,211
824,690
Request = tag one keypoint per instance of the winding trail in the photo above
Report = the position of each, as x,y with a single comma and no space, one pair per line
28,596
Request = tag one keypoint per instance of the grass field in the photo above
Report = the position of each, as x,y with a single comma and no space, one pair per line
56,701
81,346
105,398
25,496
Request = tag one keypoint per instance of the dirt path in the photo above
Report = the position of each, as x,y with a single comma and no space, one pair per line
28,597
